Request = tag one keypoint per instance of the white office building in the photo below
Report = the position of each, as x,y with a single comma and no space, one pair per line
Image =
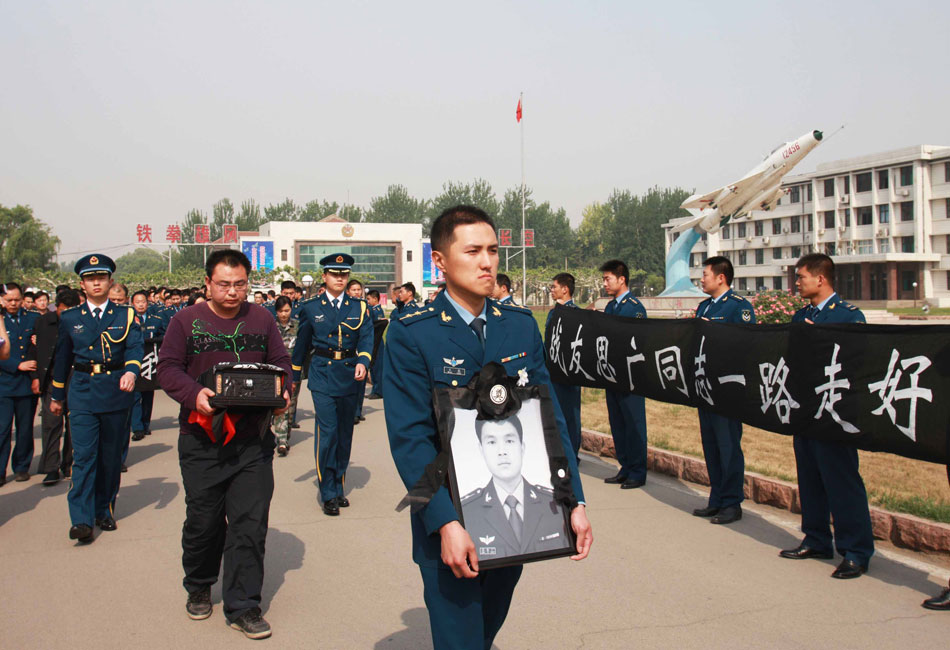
883,218
385,254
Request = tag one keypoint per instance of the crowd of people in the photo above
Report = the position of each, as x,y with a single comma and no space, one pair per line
86,350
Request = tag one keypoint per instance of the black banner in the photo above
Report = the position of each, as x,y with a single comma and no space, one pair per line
877,387
148,377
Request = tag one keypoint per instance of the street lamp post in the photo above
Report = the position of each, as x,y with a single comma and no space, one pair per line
307,282
915,294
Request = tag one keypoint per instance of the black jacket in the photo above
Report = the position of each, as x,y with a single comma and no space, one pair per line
46,330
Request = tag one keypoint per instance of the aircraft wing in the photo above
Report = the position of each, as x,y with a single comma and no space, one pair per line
739,187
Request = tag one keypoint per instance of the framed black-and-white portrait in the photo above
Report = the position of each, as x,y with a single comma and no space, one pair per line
506,463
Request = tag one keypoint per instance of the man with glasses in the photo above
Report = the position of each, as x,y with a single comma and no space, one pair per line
339,329
229,480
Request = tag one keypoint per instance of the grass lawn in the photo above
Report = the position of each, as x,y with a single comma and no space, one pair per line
893,482
934,311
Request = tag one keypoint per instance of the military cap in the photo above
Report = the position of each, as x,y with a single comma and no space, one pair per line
337,262
95,263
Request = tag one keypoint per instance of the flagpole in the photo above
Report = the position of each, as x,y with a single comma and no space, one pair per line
524,263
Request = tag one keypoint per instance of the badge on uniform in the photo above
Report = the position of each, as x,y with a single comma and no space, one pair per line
78,328
502,441
453,366
746,315
318,317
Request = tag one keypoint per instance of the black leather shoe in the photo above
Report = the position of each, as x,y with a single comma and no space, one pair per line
374,396
632,484
356,420
705,512
282,450
616,479
138,435
727,515
123,469
940,602
294,426
3,481
849,569
51,479
81,532
342,502
331,508
106,523
361,418
19,477
805,553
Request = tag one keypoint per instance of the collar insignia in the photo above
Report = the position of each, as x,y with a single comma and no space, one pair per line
494,311
446,318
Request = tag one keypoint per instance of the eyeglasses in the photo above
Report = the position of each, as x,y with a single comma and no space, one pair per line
227,286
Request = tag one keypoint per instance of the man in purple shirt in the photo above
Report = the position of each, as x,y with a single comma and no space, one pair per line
228,484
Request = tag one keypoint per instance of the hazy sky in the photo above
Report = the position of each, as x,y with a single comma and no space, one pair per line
118,113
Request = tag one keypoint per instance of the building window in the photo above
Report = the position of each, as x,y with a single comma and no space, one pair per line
777,253
862,182
808,222
830,248
847,185
830,219
883,179
829,187
907,175
865,216
794,195
283,254
808,195
847,218
947,246
759,228
777,283
759,284
743,285
776,226
884,245
760,256
865,246
883,214
907,244
946,208
742,258
725,232
740,230
376,261
907,211
692,260
796,252
946,174
795,224
408,256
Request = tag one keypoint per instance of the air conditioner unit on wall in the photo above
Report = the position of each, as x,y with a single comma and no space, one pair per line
784,231
765,240
821,231
845,198
841,228
903,192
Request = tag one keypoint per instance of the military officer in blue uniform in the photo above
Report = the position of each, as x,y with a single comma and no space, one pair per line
18,391
406,299
722,436
568,396
444,345
626,412
502,291
102,344
829,482
153,327
339,329
376,367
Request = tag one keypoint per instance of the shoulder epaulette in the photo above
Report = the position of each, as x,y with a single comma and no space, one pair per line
849,306
510,306
471,496
66,311
427,312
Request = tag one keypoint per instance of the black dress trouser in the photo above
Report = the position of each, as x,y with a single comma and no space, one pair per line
227,497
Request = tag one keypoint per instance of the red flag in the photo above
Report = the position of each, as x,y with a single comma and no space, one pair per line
518,112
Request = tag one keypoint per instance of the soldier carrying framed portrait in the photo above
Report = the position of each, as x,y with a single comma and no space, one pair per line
507,469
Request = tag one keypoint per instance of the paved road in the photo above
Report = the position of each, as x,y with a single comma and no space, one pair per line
657,577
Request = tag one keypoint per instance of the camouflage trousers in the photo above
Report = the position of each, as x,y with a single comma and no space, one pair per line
282,422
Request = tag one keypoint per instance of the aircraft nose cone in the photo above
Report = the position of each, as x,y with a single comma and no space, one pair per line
818,135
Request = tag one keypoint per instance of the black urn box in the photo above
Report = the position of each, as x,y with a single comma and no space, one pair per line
245,385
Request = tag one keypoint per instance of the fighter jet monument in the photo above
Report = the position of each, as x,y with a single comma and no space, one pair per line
760,189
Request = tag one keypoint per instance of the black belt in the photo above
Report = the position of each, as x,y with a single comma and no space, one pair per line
98,368
336,355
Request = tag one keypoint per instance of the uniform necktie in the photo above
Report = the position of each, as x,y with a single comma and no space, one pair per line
479,326
812,312
96,312
338,302
513,517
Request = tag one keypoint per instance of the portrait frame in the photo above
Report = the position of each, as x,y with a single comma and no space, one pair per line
546,526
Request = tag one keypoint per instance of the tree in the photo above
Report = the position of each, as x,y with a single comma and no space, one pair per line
316,210
634,230
552,229
190,256
141,260
396,206
25,242
283,211
478,193
590,241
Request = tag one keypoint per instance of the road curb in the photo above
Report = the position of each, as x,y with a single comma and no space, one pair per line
905,531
